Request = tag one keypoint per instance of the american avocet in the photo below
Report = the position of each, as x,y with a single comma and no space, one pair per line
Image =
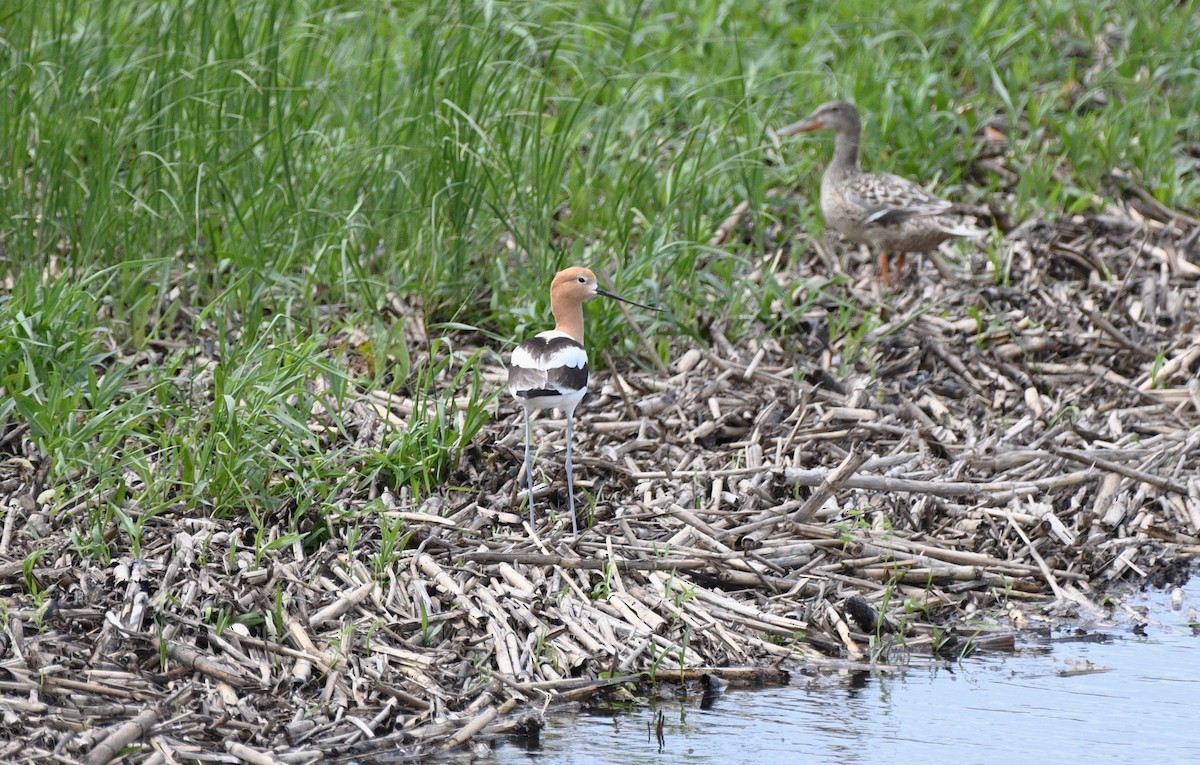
883,211
550,370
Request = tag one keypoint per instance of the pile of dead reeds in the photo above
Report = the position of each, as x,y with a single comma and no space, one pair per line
983,451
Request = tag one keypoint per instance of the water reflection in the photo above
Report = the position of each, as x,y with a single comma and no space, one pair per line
1131,698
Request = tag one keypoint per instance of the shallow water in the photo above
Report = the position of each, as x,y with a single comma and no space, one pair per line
1045,703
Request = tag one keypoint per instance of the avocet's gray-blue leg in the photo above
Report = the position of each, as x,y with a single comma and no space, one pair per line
571,477
529,472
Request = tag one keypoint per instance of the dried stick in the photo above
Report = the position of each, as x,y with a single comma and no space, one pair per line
124,735
478,723
843,631
252,756
334,610
940,488
1059,593
590,564
830,486
1180,361
1165,484
205,664
1116,334
447,585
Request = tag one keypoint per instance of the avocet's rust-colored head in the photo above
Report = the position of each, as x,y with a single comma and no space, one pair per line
570,288
573,285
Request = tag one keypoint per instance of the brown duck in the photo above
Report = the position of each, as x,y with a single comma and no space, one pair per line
881,210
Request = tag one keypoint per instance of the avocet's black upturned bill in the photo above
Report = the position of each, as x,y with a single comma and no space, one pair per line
550,370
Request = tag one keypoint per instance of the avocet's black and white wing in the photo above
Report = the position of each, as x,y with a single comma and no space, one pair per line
548,371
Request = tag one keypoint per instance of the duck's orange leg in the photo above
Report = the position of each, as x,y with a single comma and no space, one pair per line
883,269
900,265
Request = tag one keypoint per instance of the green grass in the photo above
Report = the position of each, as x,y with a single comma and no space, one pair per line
204,199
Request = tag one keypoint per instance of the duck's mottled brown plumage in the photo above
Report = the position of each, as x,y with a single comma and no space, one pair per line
881,210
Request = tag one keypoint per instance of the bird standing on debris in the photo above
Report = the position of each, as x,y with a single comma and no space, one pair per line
881,210
550,370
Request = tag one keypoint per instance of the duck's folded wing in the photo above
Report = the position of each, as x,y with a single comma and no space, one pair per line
888,199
